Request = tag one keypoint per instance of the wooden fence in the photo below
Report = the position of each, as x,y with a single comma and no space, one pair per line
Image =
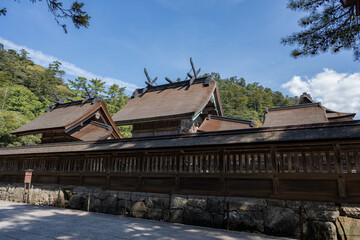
316,170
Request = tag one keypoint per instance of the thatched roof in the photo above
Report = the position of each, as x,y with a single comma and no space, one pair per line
69,118
309,132
169,101
219,123
295,115
307,111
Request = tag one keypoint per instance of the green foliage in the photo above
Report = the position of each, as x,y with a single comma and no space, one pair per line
97,86
114,97
75,13
248,101
10,121
26,90
328,26
125,131
77,87
20,99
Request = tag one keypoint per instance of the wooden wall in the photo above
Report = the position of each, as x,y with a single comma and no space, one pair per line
324,171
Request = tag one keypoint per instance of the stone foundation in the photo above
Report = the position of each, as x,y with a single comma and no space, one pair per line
309,220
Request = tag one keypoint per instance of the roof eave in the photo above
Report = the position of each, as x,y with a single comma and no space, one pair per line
153,119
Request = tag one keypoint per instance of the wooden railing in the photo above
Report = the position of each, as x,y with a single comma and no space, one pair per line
326,170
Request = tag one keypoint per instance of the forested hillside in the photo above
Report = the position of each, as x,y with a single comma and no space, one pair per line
26,90
248,100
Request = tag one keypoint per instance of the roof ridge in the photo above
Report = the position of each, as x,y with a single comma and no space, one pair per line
295,106
205,80
230,119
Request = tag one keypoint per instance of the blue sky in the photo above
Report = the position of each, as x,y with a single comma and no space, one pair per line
231,37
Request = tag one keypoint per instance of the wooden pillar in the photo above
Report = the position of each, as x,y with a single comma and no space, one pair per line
222,170
339,170
275,178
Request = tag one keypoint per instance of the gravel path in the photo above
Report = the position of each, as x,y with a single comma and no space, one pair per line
22,221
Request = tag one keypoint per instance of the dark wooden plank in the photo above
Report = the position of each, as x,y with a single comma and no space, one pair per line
337,158
303,156
200,184
320,160
308,187
247,163
348,163
357,161
328,163
252,163
245,186
297,169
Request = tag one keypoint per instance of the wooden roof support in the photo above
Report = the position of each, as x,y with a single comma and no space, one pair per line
149,82
169,80
196,73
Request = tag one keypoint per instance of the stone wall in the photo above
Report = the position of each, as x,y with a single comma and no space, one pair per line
310,220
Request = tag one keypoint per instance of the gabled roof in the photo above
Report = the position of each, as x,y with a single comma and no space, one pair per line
305,112
93,131
295,115
169,101
305,98
67,116
338,116
219,123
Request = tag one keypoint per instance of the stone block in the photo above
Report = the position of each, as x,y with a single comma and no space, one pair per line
216,205
251,220
238,203
294,205
76,202
350,210
137,196
176,216
329,206
95,204
68,194
124,195
18,194
322,231
197,202
138,210
109,204
155,214
166,215
321,215
276,202
178,202
219,221
196,216
281,221
157,202
120,208
348,228
59,199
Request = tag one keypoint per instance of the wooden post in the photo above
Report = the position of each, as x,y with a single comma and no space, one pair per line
273,159
27,180
227,216
222,170
108,164
275,179
339,170
88,205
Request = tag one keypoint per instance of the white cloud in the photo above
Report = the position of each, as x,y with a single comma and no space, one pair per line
43,59
337,91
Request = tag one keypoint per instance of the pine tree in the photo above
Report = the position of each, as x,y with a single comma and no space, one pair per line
328,26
